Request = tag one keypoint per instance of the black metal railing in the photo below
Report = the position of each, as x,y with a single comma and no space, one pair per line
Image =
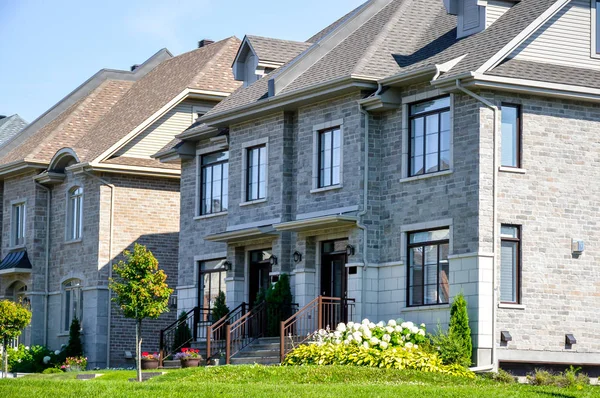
216,333
188,328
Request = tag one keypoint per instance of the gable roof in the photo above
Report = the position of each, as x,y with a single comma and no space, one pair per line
110,111
10,126
383,38
276,50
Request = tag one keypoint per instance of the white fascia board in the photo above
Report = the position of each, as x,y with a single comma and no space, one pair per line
521,37
188,92
122,169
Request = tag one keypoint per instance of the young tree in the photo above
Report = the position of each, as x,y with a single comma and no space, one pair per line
74,346
459,329
141,292
14,317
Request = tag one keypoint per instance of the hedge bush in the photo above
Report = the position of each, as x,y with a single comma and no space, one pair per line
354,355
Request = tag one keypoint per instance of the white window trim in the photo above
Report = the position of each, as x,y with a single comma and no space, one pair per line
245,146
317,129
12,238
198,109
199,153
406,103
593,40
68,238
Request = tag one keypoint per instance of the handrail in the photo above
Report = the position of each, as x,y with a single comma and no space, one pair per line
182,332
245,330
320,313
215,334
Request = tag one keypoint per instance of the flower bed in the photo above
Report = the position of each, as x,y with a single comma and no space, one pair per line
393,345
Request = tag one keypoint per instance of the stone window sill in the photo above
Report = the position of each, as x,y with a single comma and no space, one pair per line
17,247
204,217
514,170
511,306
253,202
71,242
427,308
325,189
424,176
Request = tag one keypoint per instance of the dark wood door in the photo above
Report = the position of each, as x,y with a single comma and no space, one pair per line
258,273
334,283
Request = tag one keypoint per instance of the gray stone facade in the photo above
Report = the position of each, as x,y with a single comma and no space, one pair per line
551,199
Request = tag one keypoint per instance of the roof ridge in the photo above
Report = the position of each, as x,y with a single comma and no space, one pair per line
218,54
382,35
275,38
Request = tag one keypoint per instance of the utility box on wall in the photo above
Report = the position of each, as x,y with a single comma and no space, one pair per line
577,247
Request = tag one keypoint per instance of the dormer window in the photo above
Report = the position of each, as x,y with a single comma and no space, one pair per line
471,18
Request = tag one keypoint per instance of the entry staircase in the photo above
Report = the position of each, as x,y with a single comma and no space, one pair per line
245,336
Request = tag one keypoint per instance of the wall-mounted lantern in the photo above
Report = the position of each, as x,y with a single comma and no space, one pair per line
570,339
297,256
350,250
227,265
273,260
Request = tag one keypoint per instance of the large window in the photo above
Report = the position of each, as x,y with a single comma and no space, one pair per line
330,156
511,135
75,214
214,178
212,281
510,264
17,233
428,267
429,148
72,302
256,173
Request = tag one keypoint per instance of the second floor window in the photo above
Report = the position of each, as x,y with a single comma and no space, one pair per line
17,234
330,155
214,180
429,147
75,214
257,173
428,267
511,135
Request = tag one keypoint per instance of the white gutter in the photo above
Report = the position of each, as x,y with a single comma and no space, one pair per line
47,260
496,134
110,255
363,212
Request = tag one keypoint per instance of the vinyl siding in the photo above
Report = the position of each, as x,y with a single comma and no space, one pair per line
161,132
564,40
494,10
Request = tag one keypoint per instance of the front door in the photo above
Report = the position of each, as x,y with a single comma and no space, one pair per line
259,270
212,281
334,281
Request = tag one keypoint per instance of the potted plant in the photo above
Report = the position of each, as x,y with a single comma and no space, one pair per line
74,364
189,357
149,361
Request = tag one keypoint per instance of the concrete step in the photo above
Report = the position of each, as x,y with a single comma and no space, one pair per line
269,340
264,347
258,353
171,364
254,360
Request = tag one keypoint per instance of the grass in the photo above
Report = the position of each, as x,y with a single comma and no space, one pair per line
260,381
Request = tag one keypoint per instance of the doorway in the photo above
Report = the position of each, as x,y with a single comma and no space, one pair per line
334,281
259,270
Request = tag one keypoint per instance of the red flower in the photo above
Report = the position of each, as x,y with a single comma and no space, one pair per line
144,354
184,349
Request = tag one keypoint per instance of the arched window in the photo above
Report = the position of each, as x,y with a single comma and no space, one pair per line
72,302
75,214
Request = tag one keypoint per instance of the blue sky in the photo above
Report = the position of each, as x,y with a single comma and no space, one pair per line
48,48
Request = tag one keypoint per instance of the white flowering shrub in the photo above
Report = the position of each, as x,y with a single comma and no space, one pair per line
367,334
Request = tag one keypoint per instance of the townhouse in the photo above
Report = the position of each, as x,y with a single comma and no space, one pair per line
79,186
411,151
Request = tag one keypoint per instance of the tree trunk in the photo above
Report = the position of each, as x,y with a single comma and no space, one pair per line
5,358
138,348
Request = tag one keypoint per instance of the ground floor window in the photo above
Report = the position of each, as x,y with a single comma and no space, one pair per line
212,281
428,267
510,264
259,273
72,302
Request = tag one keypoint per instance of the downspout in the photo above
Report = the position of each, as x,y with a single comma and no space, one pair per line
496,134
363,212
47,260
110,256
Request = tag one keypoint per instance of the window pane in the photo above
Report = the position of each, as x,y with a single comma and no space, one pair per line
510,138
417,165
508,272
67,308
415,276
597,27
509,231
429,236
429,106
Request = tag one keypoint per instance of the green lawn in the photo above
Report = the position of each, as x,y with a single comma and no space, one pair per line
259,381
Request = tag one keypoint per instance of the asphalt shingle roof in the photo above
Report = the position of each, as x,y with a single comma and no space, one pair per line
276,50
10,126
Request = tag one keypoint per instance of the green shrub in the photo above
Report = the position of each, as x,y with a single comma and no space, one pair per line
450,350
502,376
220,309
354,355
50,371
29,359
569,378
279,304
74,347
459,329
183,334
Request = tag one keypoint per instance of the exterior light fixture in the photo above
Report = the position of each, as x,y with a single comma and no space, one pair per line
570,339
505,336
350,250
297,256
273,260
577,247
227,265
